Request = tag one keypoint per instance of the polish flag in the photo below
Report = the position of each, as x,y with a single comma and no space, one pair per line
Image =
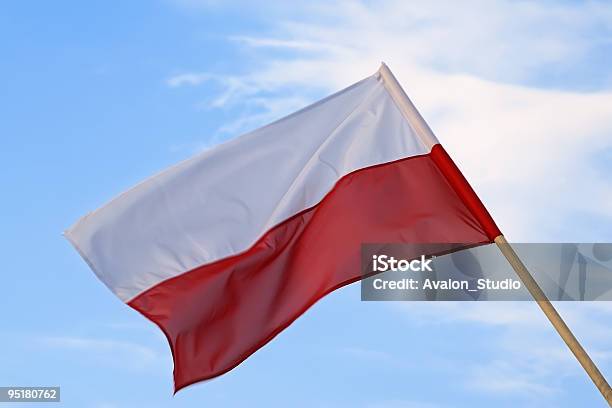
225,250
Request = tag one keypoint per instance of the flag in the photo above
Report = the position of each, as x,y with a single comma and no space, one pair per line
225,250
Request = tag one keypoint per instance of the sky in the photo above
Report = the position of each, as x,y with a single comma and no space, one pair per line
96,96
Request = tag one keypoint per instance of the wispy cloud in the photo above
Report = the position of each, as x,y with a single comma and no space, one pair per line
263,42
402,404
525,355
489,313
505,377
188,79
258,100
105,405
128,354
369,354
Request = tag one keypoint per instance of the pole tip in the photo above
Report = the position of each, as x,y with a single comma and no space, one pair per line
383,68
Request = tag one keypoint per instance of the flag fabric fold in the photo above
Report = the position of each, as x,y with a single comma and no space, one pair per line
223,251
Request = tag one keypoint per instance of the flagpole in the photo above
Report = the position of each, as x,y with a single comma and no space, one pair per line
555,319
419,125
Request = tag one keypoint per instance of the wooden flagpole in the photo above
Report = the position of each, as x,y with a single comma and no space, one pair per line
423,130
555,319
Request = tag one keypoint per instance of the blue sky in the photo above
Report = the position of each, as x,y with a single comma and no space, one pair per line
97,96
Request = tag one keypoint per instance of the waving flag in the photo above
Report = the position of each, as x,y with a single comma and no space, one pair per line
223,251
